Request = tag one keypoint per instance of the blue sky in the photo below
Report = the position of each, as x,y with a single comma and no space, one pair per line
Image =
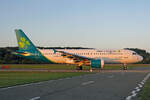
102,24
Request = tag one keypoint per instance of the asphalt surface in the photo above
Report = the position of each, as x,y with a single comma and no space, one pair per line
100,86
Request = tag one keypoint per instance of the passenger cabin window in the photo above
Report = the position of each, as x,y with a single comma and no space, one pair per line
134,53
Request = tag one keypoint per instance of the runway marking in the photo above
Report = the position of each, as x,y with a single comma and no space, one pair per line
35,98
68,78
133,92
129,98
140,85
133,95
89,82
15,86
145,79
60,79
38,83
138,88
111,76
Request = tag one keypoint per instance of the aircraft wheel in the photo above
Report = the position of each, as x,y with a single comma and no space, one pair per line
125,67
81,67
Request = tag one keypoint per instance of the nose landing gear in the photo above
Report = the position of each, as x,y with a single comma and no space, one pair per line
125,67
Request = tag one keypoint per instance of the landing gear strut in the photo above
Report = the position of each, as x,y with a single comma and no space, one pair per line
79,67
125,67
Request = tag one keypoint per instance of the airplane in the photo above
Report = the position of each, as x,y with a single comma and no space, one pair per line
90,57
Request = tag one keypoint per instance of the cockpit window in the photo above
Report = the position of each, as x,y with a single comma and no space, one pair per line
134,53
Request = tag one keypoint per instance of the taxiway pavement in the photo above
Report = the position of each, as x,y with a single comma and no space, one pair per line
111,85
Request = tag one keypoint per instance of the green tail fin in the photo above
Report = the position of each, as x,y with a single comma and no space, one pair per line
27,48
24,42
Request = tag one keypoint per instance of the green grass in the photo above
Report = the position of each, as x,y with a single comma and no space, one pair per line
119,66
44,66
64,66
19,78
145,93
41,66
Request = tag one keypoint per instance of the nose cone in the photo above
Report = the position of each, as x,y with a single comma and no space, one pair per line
140,58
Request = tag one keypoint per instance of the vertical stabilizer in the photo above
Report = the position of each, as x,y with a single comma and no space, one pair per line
27,48
24,42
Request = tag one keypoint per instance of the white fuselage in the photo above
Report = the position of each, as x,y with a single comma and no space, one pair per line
114,56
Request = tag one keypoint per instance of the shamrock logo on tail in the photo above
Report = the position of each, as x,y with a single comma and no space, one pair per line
24,43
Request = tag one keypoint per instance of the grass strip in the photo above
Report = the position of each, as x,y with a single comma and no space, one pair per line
19,78
69,67
145,93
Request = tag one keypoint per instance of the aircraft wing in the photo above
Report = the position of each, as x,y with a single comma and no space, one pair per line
81,60
76,58
71,55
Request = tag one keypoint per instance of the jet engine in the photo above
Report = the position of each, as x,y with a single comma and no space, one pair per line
97,63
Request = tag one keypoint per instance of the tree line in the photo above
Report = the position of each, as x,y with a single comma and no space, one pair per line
7,56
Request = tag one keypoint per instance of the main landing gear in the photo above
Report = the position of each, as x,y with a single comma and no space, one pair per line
79,67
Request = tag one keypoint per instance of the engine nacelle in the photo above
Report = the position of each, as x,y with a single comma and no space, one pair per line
97,63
